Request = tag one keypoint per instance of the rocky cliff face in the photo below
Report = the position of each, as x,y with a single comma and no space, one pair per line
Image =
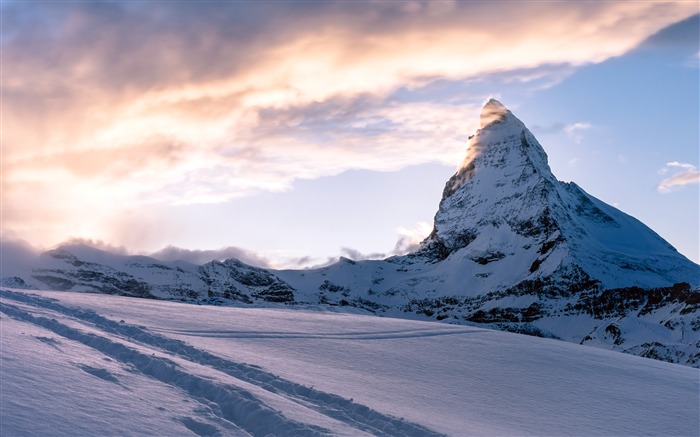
512,247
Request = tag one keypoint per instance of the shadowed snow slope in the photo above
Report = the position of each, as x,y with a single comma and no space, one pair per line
512,248
77,364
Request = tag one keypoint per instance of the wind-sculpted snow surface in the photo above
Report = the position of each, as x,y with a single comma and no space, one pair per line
234,404
512,248
77,364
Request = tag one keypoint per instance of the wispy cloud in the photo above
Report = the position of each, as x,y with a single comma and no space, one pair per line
172,253
693,61
17,254
107,104
574,131
680,174
408,240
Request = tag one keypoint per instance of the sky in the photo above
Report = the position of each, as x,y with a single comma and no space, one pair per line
288,133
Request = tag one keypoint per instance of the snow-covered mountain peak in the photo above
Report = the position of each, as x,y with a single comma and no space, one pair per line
505,208
503,180
492,112
504,143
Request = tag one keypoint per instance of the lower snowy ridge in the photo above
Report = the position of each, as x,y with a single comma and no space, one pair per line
660,322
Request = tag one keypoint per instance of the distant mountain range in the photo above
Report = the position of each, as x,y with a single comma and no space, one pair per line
512,248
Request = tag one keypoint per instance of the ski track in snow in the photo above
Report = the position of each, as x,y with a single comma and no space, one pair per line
236,405
385,335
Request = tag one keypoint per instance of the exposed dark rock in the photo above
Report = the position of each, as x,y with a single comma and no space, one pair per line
620,301
615,332
55,282
277,292
15,282
333,288
515,315
489,257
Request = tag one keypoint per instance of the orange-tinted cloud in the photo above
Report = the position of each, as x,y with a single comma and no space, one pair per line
681,174
107,104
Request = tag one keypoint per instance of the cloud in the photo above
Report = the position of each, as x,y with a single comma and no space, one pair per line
410,238
96,244
356,255
199,257
693,61
18,255
303,262
108,104
681,174
684,35
572,130
408,241
15,256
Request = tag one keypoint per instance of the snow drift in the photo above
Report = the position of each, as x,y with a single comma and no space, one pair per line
77,364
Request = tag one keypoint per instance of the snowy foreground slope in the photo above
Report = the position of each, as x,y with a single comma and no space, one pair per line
87,364
512,248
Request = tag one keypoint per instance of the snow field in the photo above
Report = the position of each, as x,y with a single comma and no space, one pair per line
106,365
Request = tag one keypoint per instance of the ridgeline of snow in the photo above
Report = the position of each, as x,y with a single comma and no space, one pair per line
85,364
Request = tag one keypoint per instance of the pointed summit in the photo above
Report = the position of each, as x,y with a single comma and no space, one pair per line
504,152
504,181
493,112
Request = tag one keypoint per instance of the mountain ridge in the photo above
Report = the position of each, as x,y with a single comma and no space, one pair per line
512,247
